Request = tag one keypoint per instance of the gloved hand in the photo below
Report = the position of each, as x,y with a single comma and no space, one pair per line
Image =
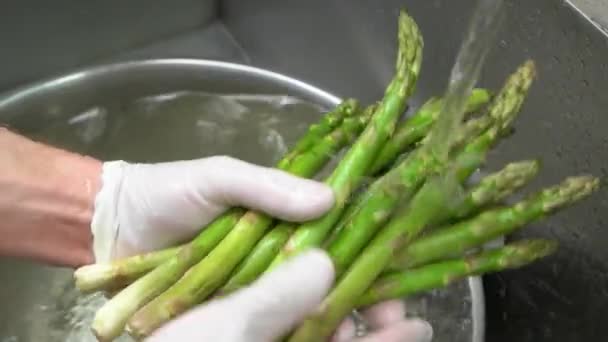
278,301
145,207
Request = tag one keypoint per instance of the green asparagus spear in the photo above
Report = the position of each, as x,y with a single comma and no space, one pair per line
406,224
490,224
492,189
320,129
402,181
260,257
110,320
210,273
353,206
503,110
441,274
355,165
267,248
416,127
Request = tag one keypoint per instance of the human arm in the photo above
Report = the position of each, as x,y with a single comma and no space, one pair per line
46,201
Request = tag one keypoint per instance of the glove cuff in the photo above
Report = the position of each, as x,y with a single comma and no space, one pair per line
104,225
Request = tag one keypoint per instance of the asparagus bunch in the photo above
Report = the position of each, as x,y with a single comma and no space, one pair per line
211,272
110,320
419,210
419,225
407,134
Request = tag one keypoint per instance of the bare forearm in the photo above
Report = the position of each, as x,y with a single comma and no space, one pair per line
46,202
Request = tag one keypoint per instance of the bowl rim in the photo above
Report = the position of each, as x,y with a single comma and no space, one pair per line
22,91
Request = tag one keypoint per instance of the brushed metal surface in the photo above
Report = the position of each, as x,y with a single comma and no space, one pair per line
47,38
596,11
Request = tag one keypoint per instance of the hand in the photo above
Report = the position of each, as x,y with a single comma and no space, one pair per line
145,207
273,305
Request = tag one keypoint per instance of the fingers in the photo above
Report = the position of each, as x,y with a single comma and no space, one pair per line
233,182
413,330
384,314
387,322
376,317
283,297
265,311
345,332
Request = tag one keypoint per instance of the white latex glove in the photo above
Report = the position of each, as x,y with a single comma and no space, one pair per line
145,207
274,305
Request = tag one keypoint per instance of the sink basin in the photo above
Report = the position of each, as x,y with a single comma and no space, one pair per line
347,49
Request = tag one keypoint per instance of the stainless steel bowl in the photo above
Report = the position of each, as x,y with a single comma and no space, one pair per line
39,302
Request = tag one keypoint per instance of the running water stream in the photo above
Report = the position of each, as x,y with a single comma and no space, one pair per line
465,73
477,42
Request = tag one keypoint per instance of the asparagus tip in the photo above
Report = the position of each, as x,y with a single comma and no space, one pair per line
530,66
349,106
527,251
572,189
513,95
519,173
410,43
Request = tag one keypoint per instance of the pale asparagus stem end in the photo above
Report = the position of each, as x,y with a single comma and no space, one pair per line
90,278
118,273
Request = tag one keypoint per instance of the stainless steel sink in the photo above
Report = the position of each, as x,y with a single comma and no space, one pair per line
347,48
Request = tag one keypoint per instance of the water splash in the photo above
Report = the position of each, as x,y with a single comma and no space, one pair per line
479,38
